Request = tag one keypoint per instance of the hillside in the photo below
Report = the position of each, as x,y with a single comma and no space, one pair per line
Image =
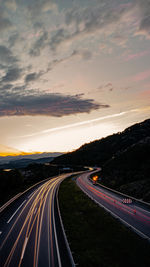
124,158
100,151
129,171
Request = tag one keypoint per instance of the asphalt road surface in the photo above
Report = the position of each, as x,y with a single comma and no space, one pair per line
134,215
30,229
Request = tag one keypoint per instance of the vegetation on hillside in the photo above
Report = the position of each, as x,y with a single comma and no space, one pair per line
15,181
129,171
124,158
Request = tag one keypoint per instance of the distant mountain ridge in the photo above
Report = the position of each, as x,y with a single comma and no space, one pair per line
22,161
6,150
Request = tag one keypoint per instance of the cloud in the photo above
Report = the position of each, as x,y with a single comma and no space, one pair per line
11,4
6,56
105,17
36,7
5,23
6,87
145,93
84,54
13,39
107,86
12,74
39,44
38,25
20,89
3,67
145,24
141,76
144,18
60,36
56,105
33,76
136,55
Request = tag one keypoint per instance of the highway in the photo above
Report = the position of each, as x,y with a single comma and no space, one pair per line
133,215
31,233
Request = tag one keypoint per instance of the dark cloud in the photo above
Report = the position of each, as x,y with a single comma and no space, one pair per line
39,44
3,67
97,17
56,105
32,77
56,62
84,54
13,39
5,23
143,17
12,74
60,36
6,56
107,86
36,7
20,89
101,17
6,87
11,4
145,26
38,25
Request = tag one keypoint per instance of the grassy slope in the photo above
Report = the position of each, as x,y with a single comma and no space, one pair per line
129,171
97,239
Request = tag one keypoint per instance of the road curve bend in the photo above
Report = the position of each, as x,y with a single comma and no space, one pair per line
134,215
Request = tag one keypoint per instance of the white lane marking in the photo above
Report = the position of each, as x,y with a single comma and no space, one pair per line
24,247
16,211
9,202
30,195
0,232
139,208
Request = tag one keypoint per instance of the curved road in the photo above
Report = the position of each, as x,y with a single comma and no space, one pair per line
133,215
30,229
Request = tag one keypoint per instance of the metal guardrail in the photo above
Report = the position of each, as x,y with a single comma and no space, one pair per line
124,195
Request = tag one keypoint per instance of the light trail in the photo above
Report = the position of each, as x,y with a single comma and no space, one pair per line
35,218
118,204
16,212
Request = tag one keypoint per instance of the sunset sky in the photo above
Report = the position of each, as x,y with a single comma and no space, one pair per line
71,71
